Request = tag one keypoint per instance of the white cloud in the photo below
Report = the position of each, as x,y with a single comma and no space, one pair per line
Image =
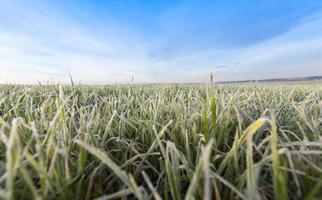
39,46
296,53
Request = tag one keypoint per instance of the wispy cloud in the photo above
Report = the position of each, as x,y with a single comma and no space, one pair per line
292,54
221,66
36,44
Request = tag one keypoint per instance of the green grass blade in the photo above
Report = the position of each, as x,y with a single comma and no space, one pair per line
279,180
113,166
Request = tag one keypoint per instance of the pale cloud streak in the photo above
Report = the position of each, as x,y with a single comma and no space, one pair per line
39,46
42,46
295,53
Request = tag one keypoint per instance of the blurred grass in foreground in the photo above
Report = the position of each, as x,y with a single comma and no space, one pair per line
247,141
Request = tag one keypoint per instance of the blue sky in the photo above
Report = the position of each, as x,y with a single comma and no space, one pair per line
158,41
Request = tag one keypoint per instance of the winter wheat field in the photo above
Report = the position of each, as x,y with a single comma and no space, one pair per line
226,141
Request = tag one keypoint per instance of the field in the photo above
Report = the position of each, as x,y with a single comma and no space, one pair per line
246,141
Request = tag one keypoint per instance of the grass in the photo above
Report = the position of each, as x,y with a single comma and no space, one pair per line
248,141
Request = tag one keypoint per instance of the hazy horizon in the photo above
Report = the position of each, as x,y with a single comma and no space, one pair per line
158,41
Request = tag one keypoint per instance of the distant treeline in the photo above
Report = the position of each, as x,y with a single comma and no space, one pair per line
308,78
